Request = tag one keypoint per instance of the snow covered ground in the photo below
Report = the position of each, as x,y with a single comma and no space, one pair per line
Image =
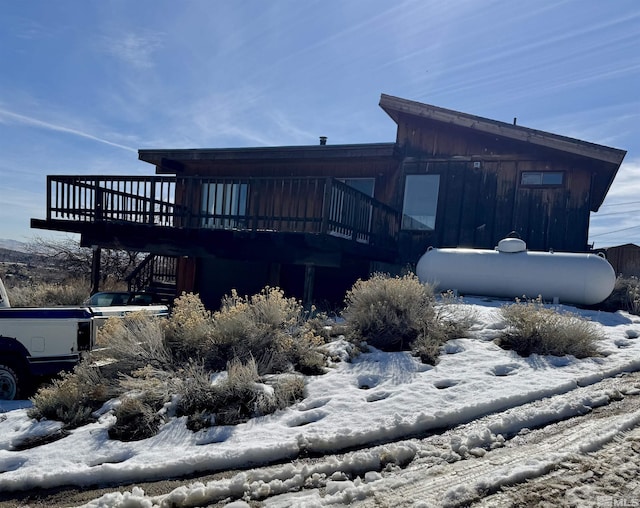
375,402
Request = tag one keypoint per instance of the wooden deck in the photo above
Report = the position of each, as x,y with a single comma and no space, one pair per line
295,220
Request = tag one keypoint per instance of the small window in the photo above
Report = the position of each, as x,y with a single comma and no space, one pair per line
533,178
420,202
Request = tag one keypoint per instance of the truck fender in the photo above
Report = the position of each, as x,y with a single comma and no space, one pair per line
14,368
13,347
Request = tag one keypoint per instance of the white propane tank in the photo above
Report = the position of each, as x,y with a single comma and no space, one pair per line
510,271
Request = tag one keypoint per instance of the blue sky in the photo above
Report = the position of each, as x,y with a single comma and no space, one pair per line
85,84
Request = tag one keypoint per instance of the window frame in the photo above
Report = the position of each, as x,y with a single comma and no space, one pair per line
542,184
427,228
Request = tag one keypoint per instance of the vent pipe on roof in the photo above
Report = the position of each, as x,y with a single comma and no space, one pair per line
515,119
323,140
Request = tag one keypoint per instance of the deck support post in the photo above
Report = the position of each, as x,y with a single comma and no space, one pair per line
309,278
95,269
274,274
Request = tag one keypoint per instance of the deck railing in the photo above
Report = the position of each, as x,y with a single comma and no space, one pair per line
288,204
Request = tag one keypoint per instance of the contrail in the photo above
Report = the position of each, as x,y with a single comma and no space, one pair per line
34,122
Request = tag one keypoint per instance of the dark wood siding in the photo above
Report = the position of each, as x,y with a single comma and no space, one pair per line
625,259
481,198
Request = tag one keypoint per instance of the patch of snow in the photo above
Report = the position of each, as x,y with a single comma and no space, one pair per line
374,399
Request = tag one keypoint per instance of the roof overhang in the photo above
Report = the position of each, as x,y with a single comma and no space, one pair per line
395,107
605,159
172,160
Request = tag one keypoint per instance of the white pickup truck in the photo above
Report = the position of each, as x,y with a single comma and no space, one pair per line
37,342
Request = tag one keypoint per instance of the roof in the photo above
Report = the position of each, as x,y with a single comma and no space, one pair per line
624,246
172,159
606,159
395,107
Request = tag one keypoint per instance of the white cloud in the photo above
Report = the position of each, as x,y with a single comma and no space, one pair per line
134,49
618,220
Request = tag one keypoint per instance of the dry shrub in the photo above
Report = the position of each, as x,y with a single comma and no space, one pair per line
150,385
147,361
399,313
234,399
135,420
70,292
196,396
389,313
533,328
72,398
134,341
266,327
189,327
625,296
287,389
451,319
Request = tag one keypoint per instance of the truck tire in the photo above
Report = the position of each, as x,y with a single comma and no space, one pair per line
9,383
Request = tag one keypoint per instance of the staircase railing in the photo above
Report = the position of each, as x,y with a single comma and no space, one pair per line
152,272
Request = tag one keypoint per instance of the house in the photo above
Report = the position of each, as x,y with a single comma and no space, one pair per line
625,259
313,219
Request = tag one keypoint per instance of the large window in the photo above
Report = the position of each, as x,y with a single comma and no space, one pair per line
420,202
224,204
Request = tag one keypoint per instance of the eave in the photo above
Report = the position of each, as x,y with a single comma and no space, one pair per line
395,107
173,160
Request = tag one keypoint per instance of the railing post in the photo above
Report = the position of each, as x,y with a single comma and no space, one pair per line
152,202
95,269
49,191
99,204
326,204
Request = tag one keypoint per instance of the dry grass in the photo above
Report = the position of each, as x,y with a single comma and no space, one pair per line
70,292
533,328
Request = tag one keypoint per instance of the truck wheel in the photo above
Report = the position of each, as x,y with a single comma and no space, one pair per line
9,383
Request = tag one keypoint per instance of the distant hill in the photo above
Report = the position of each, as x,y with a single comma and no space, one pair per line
19,267
15,256
13,245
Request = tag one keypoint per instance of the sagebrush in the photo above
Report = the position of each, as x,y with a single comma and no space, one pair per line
135,420
269,328
73,397
240,395
146,362
133,342
400,313
533,328
625,296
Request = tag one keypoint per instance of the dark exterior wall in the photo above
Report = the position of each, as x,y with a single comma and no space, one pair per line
385,171
478,206
625,259
217,277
